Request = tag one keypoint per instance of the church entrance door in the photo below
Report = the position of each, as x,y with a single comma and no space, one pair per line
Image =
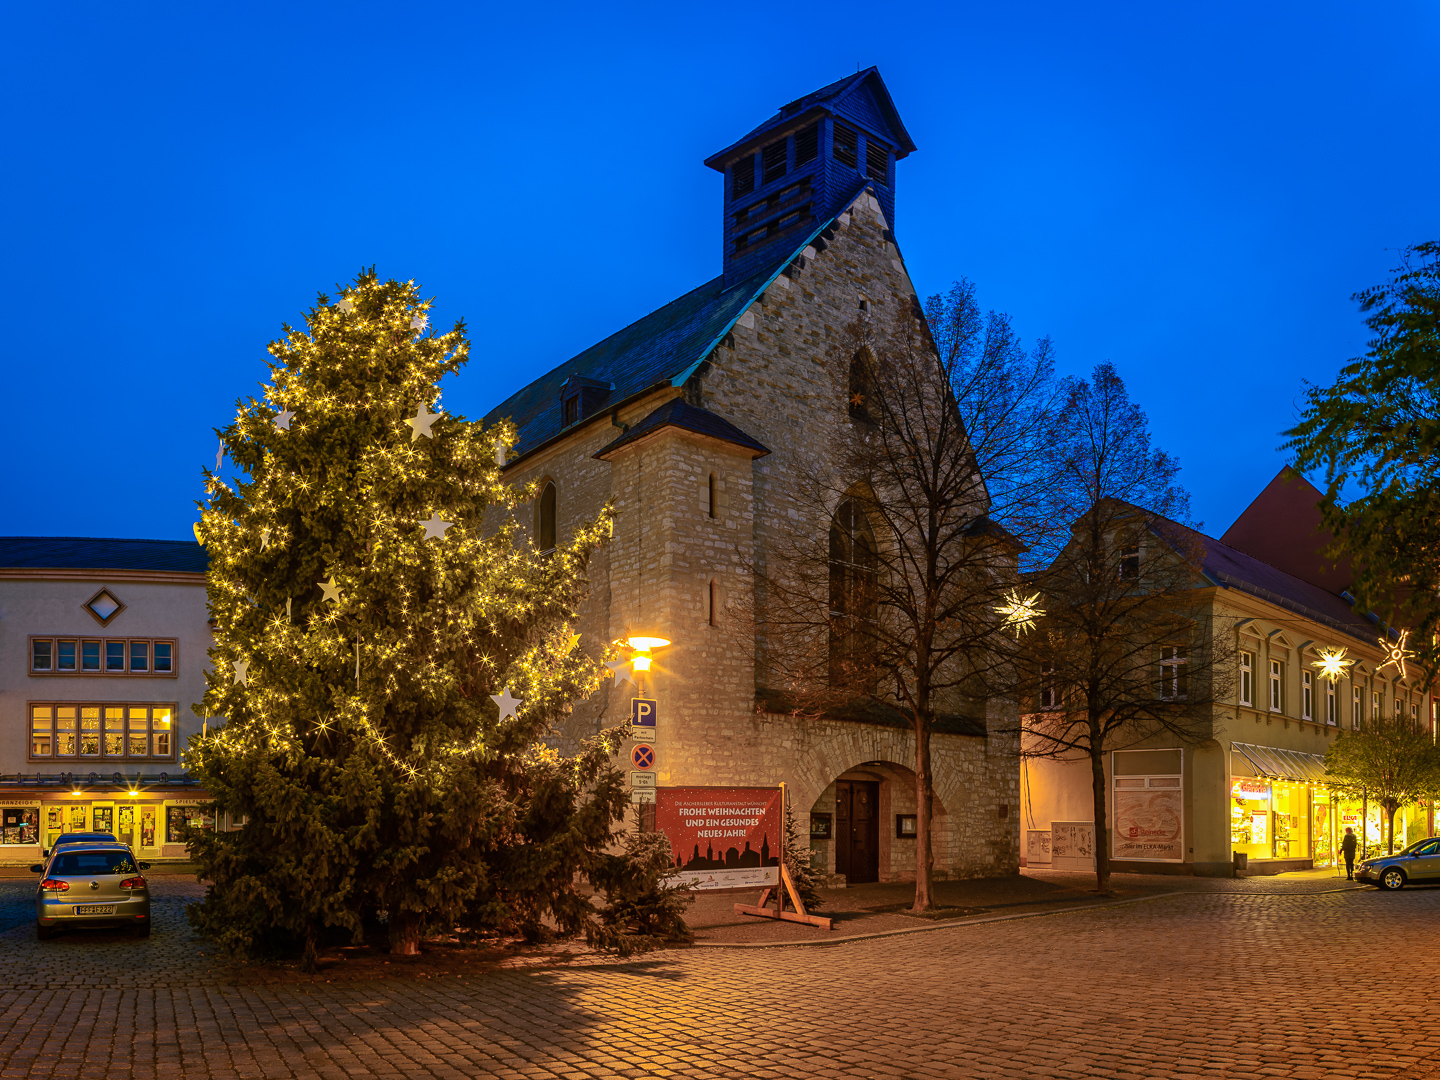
857,830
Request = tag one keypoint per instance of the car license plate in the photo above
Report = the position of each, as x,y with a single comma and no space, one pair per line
95,909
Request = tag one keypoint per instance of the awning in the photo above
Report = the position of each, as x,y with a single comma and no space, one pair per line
1277,764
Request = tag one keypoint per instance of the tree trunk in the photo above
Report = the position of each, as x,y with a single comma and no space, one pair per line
1390,809
404,933
1102,847
924,803
1364,823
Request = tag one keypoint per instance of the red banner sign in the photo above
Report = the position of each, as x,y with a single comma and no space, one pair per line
722,838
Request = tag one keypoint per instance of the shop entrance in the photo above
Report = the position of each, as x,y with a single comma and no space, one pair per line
857,830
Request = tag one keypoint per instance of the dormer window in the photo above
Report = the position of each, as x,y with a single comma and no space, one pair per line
572,409
742,179
580,398
846,148
773,161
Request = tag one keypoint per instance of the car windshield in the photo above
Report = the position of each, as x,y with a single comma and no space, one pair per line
92,862
1424,847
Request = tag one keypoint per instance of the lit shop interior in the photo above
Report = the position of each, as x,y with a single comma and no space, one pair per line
1281,808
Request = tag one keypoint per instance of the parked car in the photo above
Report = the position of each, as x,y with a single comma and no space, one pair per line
81,838
88,885
1418,864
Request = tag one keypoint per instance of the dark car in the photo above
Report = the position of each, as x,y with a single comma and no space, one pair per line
90,885
82,838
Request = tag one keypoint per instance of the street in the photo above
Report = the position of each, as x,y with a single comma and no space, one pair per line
1222,984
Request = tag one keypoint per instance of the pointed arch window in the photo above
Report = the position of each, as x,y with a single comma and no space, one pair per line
852,593
545,518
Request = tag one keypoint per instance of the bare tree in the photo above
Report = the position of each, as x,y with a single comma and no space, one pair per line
886,593
1126,648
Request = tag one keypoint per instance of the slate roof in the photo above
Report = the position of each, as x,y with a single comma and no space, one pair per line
91,553
663,347
677,412
833,92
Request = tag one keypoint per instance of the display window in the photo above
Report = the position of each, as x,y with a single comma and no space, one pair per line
19,825
1290,808
179,820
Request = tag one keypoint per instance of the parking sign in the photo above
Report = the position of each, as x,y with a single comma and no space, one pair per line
642,712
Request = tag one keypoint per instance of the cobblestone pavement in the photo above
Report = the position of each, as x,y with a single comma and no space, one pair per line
1208,985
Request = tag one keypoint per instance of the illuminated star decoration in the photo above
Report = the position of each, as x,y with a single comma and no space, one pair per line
1332,664
618,668
570,643
346,305
419,322
420,425
435,528
264,539
1020,615
506,703
242,670
1395,654
282,420
198,538
332,591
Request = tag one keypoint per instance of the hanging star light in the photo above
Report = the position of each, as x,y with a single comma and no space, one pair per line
420,425
620,670
506,703
435,528
242,672
1020,614
283,418
571,642
1395,654
332,591
1332,664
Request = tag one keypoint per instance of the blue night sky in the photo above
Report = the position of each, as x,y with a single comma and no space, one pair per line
1190,193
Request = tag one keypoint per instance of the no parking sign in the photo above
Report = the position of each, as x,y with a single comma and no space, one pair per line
642,757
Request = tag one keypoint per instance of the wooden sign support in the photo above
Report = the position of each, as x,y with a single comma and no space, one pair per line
762,909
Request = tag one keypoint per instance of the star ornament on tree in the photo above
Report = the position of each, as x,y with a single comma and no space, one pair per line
507,704
420,425
420,322
620,670
1395,653
346,305
332,591
282,420
1020,614
242,672
1332,664
435,528
264,539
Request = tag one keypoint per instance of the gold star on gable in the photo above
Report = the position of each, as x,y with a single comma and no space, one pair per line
1395,654
435,528
420,425
1020,614
332,591
1332,664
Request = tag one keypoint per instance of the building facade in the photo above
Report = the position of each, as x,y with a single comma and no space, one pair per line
103,651
704,423
1257,786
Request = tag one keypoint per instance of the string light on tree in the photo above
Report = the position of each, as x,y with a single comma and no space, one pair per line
1332,664
1395,653
1020,613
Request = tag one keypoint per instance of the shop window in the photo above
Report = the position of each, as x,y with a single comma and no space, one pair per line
1307,695
1247,678
111,656
1148,806
1277,683
106,732
1174,666
20,825
179,820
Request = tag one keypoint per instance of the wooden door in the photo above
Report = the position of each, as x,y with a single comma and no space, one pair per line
857,830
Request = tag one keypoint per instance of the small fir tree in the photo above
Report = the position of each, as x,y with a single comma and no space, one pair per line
372,595
797,860
645,901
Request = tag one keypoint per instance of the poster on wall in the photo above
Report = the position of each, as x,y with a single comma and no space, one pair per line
722,838
1148,825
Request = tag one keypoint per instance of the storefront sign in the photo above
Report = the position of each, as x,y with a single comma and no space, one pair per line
1251,790
722,838
1149,825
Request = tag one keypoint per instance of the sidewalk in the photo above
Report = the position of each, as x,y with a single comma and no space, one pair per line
878,908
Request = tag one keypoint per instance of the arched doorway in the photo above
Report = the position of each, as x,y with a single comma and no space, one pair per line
872,815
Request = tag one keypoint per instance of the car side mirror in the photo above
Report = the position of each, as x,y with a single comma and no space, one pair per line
38,868
44,854
144,865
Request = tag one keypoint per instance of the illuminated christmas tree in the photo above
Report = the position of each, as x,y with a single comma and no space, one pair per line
390,656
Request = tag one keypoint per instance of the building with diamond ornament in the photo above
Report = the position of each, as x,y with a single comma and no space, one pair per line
102,651
702,422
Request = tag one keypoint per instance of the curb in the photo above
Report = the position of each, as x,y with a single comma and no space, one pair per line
928,929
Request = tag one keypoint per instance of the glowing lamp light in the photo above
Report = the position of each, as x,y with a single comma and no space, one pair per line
1020,613
643,646
76,793
1332,664
641,662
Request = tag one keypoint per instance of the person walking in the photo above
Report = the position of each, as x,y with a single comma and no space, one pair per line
1348,847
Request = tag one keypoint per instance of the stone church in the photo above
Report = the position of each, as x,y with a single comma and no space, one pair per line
701,422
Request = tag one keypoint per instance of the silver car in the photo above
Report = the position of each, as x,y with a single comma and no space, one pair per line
94,884
1418,864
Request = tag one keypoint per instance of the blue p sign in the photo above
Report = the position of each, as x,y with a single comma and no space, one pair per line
642,712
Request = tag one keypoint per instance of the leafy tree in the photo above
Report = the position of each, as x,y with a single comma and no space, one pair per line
1125,648
1376,432
371,594
1393,762
883,599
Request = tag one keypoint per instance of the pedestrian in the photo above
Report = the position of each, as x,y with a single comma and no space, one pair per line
1348,847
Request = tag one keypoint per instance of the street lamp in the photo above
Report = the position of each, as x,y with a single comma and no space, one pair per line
643,646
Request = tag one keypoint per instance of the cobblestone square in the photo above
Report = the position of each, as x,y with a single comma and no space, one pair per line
1218,984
